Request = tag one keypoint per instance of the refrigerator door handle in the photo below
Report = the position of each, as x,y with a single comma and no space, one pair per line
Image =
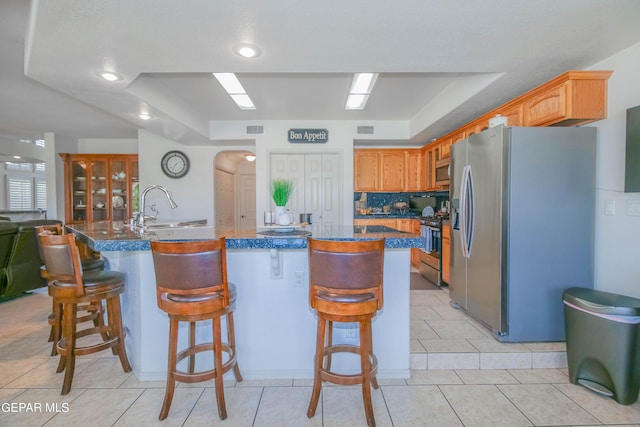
463,211
471,212
466,211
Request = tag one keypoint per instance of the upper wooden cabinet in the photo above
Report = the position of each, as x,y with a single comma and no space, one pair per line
100,187
393,170
514,115
366,170
573,98
415,171
388,170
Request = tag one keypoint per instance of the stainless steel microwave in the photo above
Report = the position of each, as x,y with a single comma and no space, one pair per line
442,172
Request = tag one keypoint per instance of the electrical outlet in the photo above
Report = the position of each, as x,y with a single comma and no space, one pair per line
633,207
298,279
351,333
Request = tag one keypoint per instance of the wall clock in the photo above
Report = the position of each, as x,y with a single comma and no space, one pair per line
175,164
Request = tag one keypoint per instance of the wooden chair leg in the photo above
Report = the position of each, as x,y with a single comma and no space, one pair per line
56,326
217,359
365,364
114,316
69,337
231,336
171,367
317,379
329,343
192,344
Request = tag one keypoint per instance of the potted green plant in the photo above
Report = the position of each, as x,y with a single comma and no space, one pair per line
281,190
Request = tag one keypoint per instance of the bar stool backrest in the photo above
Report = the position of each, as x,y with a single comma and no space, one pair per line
343,268
191,268
62,260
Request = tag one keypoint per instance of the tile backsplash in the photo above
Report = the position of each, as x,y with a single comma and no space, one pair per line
378,200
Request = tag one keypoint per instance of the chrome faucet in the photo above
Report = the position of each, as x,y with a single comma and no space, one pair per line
143,199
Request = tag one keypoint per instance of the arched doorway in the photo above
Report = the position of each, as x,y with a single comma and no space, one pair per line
234,191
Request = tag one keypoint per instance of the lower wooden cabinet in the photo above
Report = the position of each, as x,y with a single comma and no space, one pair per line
410,225
446,253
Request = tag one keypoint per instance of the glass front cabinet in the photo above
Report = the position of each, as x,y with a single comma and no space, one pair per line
100,187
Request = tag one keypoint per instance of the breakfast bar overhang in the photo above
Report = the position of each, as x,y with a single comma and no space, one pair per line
275,327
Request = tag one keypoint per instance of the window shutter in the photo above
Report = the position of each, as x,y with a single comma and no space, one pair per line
20,194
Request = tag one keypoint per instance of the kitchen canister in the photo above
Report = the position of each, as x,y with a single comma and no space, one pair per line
497,121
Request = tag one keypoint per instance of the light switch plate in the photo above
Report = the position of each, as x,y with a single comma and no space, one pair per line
609,207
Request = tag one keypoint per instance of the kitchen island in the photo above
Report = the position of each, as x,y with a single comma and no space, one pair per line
275,327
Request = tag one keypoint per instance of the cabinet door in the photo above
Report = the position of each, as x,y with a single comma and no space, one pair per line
405,225
513,115
446,253
120,195
79,193
100,198
392,167
548,106
445,148
430,165
388,222
366,170
415,171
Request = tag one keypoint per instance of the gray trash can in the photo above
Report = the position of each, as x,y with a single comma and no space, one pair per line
603,342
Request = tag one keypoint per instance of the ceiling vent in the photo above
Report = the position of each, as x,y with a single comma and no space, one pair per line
255,130
365,130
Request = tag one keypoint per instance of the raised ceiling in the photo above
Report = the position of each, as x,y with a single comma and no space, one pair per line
441,63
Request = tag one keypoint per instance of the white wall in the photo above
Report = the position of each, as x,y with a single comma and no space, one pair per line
194,192
617,263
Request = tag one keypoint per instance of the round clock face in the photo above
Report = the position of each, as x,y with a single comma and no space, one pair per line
175,164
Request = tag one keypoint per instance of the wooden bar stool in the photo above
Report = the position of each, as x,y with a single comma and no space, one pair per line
191,286
69,287
93,312
345,285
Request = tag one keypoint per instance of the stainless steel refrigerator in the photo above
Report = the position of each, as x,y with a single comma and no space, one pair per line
523,213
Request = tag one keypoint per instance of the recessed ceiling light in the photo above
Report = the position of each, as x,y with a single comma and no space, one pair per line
109,76
145,116
234,88
247,50
361,87
17,157
250,157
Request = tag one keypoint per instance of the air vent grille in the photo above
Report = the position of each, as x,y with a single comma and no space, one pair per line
255,130
365,130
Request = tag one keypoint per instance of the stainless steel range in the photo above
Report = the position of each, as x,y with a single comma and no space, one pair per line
430,265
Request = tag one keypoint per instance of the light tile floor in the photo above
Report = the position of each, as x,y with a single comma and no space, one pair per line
472,380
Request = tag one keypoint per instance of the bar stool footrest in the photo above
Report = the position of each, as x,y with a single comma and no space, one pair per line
346,379
207,375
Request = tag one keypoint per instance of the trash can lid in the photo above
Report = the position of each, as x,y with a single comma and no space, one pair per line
602,302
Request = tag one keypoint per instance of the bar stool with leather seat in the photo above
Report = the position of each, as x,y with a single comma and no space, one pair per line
345,285
191,286
94,312
69,287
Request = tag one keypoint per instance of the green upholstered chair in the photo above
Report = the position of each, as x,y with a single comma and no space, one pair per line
8,231
23,266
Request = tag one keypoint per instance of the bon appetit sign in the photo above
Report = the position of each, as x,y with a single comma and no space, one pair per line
308,136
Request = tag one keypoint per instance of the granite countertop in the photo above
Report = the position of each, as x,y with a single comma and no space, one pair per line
409,215
117,236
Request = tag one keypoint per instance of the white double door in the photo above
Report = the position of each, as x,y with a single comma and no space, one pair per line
317,184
